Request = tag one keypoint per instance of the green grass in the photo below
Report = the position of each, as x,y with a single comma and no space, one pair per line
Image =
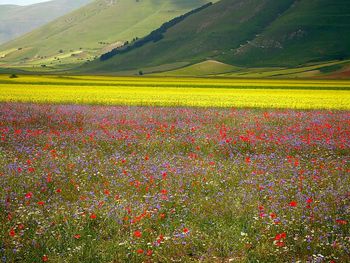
331,68
205,68
310,31
218,28
248,34
17,20
215,68
193,92
317,70
109,22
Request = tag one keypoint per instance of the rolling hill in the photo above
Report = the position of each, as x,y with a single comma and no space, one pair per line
324,70
247,33
17,20
90,31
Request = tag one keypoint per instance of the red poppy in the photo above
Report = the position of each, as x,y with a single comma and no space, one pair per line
93,216
149,253
29,195
160,239
41,203
59,190
139,251
138,234
280,236
293,204
77,236
185,230
45,258
309,200
12,232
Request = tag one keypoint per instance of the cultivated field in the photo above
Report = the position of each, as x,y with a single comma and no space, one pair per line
145,184
156,91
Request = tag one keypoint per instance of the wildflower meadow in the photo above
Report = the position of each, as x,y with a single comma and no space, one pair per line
152,184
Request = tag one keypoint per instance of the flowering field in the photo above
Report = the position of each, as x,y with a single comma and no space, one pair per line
176,92
148,184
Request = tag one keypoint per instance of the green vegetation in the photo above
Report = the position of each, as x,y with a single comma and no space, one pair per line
310,31
331,68
271,33
154,36
177,92
205,68
201,35
18,20
215,68
93,29
13,76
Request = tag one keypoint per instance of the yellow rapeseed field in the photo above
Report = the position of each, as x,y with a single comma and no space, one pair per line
196,92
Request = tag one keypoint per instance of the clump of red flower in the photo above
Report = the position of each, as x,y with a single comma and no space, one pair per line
279,239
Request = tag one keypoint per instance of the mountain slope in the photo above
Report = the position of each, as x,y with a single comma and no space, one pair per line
206,34
17,20
311,31
248,33
95,28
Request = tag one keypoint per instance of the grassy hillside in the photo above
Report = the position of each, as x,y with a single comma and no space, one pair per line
331,70
248,33
310,31
92,30
208,33
17,20
205,68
